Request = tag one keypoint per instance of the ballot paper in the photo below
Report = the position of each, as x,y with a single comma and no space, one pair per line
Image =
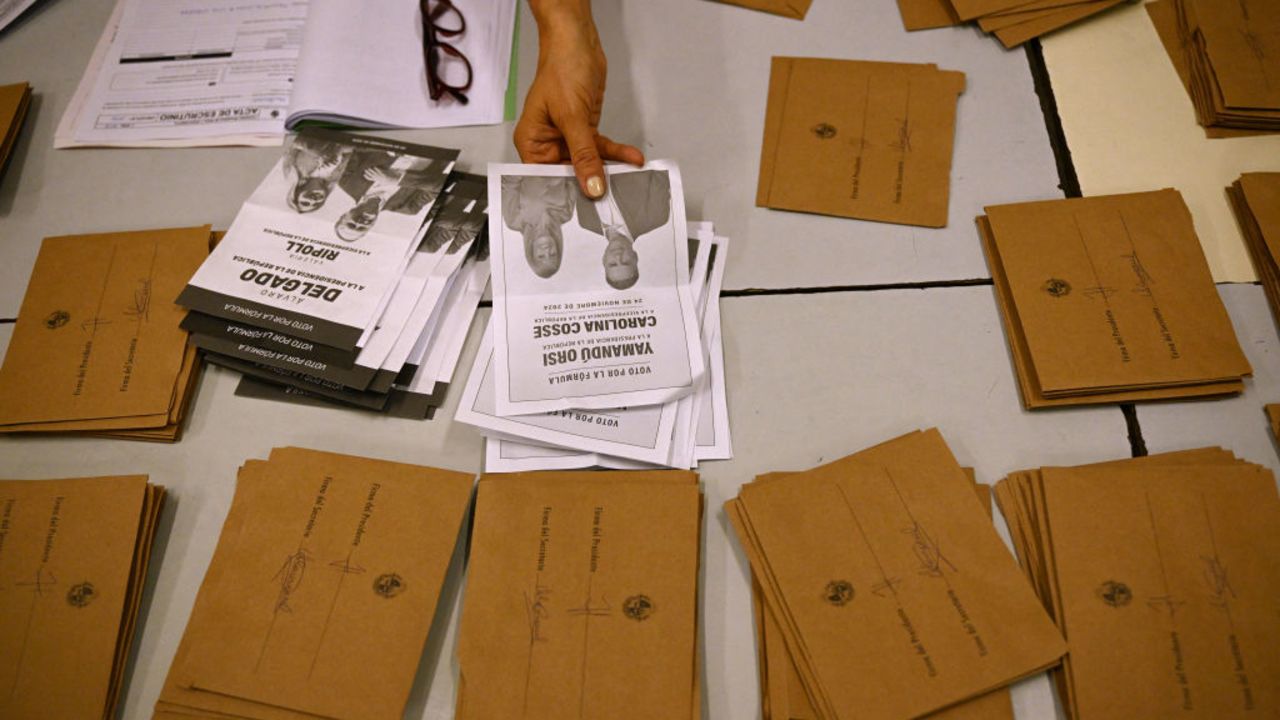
581,597
318,248
895,596
1255,199
795,9
676,434
14,101
320,554
1161,573
73,561
1109,299
592,304
783,695
859,139
97,345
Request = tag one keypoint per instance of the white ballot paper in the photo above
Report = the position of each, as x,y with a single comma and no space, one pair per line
318,248
220,70
699,431
592,306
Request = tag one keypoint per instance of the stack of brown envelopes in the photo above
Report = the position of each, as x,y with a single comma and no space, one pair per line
1109,299
782,693
321,591
14,101
1273,417
1162,574
581,597
859,139
1013,22
888,587
1228,57
73,563
1255,198
97,347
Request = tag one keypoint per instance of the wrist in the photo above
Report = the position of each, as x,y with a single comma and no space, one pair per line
564,22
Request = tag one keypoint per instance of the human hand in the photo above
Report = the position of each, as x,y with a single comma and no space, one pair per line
561,113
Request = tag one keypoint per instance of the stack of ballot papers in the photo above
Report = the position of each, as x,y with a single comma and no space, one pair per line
1161,571
582,597
1255,198
74,555
1109,299
859,139
1013,22
98,347
352,273
226,72
604,344
321,590
1227,55
14,101
884,590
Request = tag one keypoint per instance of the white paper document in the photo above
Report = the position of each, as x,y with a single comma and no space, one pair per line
592,302
190,70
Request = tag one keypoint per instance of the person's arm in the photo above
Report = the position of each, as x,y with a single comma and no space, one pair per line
562,110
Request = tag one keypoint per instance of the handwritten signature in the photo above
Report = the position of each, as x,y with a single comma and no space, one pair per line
1215,577
928,552
290,576
141,308
1143,278
536,610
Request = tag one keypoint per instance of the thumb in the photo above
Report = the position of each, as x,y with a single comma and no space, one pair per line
580,139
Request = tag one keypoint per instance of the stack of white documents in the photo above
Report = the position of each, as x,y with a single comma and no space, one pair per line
604,344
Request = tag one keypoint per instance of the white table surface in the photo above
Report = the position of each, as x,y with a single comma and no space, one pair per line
687,80
890,362
1239,424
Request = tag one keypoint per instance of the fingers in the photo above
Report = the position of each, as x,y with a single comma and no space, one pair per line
580,139
611,150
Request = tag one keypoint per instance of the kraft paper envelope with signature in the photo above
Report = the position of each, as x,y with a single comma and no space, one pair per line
1109,299
73,562
321,591
581,597
97,347
1161,572
867,140
782,692
895,596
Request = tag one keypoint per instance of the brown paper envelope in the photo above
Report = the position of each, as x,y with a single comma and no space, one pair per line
1015,35
14,101
177,695
1165,19
1114,292
948,618
97,335
927,14
153,504
1029,389
996,705
66,559
581,599
859,139
1262,193
1044,9
342,550
1242,41
794,9
1264,261
1168,579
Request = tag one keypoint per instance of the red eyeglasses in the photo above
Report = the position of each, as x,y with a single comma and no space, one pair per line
442,21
